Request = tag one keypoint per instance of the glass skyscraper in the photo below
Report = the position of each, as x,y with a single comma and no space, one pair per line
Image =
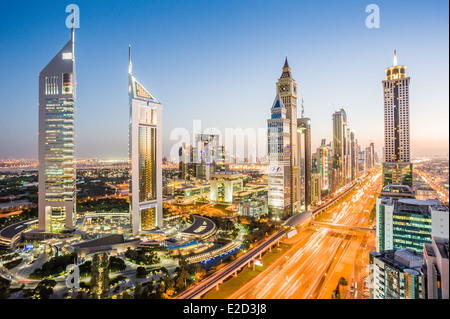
145,155
57,174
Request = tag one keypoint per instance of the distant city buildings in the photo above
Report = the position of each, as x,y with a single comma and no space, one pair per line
397,168
145,151
57,172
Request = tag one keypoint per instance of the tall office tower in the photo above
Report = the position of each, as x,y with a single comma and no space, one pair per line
435,268
339,133
353,156
395,274
316,193
187,165
57,173
397,168
347,155
361,161
145,155
279,154
304,160
372,154
368,159
287,88
324,165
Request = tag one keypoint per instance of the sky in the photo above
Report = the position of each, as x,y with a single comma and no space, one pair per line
218,62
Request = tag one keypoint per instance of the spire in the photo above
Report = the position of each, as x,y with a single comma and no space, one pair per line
286,70
129,60
303,109
129,70
395,58
73,34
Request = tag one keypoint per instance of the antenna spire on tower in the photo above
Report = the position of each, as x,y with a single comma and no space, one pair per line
395,58
73,34
129,59
303,108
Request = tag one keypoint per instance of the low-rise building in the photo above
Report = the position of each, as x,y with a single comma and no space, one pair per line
395,274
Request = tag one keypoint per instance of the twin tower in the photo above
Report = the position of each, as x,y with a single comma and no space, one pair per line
57,161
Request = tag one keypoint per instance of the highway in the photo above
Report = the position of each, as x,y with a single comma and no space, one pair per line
319,256
212,281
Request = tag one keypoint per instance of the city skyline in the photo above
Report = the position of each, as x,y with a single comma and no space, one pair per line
336,189
240,83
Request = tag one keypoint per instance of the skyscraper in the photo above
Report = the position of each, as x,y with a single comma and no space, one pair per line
287,89
145,155
339,141
279,154
324,167
304,160
397,168
57,174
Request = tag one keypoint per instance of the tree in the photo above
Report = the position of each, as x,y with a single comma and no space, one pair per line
4,288
141,272
126,295
137,290
44,289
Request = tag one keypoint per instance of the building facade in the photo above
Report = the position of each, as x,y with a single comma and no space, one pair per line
339,142
324,166
145,156
395,274
279,154
287,89
435,268
305,161
57,170
409,223
397,168
223,185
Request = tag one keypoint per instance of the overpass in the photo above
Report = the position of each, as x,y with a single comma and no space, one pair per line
345,227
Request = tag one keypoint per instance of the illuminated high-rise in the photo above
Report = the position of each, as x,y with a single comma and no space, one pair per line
279,154
145,155
397,169
57,175
304,160
287,89
324,165
339,144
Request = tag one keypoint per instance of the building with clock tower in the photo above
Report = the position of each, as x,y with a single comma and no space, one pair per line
287,88
283,173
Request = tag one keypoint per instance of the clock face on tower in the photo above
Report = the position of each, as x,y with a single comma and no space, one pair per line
283,88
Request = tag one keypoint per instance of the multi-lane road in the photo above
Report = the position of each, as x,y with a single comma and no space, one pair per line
319,256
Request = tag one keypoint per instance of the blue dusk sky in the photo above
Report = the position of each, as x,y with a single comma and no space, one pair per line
218,61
